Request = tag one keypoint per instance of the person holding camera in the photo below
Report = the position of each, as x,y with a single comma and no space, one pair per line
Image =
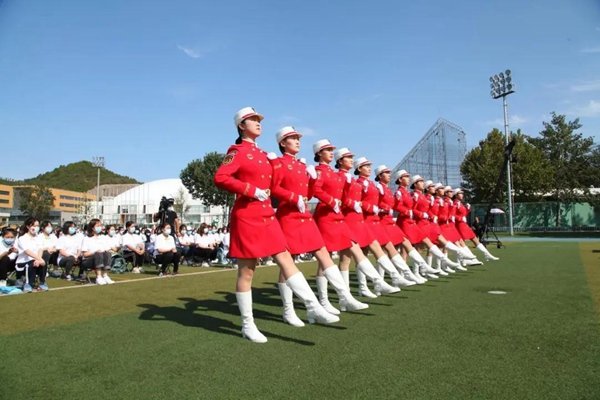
166,215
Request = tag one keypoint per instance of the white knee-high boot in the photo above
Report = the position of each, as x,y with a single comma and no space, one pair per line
324,296
381,286
397,279
249,329
486,253
314,310
405,274
287,298
346,276
347,302
445,260
363,288
460,252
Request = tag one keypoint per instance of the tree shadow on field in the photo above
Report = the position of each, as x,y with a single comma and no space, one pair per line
194,313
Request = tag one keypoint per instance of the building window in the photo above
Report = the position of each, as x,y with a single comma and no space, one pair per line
4,192
3,201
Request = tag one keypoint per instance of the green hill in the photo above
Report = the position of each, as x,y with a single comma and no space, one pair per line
80,176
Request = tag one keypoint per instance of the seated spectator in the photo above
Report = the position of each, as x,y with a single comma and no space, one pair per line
30,264
165,251
69,249
95,254
183,243
134,249
8,254
48,243
113,241
205,247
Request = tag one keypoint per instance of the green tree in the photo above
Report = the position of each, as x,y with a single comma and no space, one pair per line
36,201
481,168
572,159
198,176
180,205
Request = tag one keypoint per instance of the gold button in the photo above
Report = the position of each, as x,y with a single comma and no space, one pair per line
262,176
302,220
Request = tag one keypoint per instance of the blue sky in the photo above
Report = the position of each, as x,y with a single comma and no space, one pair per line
151,85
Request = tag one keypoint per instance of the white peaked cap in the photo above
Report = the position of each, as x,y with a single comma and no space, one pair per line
341,153
285,132
415,179
439,186
244,113
400,174
428,183
322,144
447,188
380,169
360,161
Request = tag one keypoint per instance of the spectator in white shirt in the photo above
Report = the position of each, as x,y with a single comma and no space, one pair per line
113,240
183,243
8,254
48,241
165,250
30,263
205,246
69,249
133,247
95,253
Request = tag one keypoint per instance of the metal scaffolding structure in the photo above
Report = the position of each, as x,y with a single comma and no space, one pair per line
438,155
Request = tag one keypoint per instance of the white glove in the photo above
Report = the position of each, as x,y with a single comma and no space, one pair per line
375,210
348,177
398,194
366,185
435,219
357,207
380,188
271,156
410,214
468,206
260,194
311,171
391,212
464,219
301,205
453,218
303,160
425,215
336,207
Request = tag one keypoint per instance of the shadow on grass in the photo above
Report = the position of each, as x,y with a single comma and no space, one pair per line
194,313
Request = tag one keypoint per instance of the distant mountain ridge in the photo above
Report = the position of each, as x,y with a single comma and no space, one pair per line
80,177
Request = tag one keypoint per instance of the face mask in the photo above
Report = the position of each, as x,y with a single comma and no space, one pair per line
34,230
9,241
48,230
72,230
132,229
137,232
167,232
111,233
171,208
205,230
98,229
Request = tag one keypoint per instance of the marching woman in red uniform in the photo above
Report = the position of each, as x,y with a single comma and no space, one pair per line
293,186
254,231
409,216
352,208
370,202
462,210
329,189
386,213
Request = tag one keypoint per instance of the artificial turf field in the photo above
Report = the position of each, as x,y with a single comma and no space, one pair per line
178,338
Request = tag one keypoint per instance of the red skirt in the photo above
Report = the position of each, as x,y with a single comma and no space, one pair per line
464,230
255,237
413,233
394,232
425,226
378,230
449,232
301,233
361,231
335,233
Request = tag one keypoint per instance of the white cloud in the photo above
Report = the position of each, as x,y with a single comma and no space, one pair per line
191,52
588,86
591,109
591,50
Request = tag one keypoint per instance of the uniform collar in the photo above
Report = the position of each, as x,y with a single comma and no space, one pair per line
290,156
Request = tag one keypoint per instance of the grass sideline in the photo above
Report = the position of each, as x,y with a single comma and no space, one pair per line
448,339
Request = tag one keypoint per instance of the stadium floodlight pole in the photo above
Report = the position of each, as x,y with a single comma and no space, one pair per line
502,85
98,163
